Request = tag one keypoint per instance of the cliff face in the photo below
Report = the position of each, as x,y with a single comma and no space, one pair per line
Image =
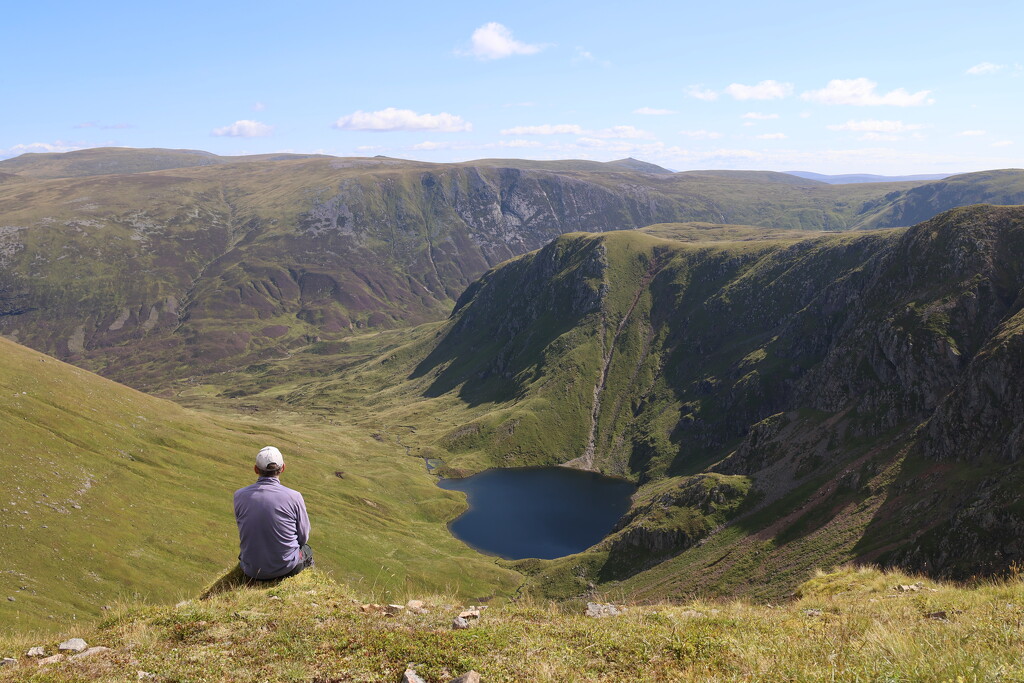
880,370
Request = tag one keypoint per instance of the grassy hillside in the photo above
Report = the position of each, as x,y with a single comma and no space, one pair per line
145,265
847,625
112,494
785,404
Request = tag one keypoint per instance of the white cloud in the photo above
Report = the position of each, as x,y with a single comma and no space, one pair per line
971,133
772,136
369,148
1002,143
650,111
495,41
392,119
702,93
622,132
758,116
519,143
765,90
701,134
545,129
875,126
861,92
244,129
985,68
880,137
58,146
259,106
429,146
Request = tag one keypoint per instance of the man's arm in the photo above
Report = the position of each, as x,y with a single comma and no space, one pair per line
302,524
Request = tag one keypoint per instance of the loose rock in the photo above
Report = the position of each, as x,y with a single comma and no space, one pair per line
73,645
51,660
596,609
89,653
813,612
392,610
36,651
468,677
459,623
470,614
410,676
8,661
692,614
416,607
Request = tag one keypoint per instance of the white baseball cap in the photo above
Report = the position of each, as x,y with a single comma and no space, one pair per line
269,458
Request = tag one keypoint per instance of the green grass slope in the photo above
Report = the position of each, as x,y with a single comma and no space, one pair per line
849,625
785,404
112,494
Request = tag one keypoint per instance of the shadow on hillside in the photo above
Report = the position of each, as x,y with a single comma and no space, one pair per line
232,579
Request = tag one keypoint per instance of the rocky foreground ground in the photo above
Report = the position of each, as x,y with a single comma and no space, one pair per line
852,624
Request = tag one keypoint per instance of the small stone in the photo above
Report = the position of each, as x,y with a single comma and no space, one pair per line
10,598
36,651
468,677
143,675
937,616
596,609
470,614
414,604
73,645
8,661
459,623
51,660
274,597
410,676
92,651
813,612
392,610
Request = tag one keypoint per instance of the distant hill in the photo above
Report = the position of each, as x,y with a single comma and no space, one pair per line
150,275
865,177
629,165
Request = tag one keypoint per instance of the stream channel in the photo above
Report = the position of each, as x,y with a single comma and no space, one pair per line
543,512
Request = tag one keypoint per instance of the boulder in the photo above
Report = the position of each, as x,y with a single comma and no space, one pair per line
410,676
73,645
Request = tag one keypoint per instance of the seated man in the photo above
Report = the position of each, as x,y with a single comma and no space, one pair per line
272,523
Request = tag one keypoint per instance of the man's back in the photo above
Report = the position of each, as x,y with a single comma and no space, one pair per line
272,526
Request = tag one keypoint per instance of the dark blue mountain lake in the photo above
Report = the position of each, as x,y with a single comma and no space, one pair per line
544,512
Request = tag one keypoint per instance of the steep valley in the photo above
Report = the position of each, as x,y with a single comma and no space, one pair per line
787,398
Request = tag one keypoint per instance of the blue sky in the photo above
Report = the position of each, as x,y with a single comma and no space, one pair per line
876,87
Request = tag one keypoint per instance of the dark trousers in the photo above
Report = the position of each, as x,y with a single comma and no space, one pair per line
305,560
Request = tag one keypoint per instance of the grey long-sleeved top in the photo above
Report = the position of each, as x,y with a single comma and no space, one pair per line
272,525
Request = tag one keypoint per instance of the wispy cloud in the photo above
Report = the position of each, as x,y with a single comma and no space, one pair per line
702,93
971,133
758,116
772,136
765,90
701,134
392,119
104,126
651,111
1002,143
244,129
875,126
620,132
861,92
495,41
58,146
259,106
985,68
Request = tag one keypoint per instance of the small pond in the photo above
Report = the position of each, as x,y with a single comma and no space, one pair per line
543,512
